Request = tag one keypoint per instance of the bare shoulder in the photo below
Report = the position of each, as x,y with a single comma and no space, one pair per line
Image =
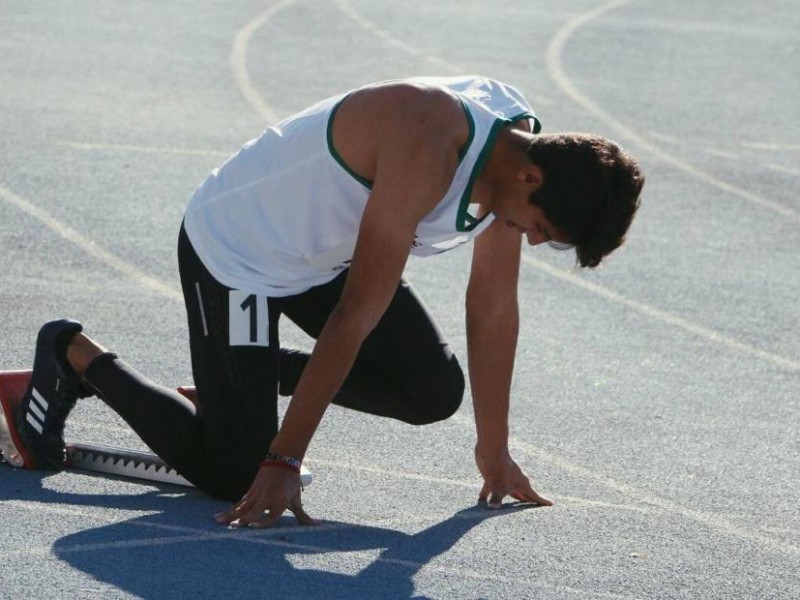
406,103
395,115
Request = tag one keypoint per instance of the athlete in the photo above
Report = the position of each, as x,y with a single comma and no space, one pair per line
314,220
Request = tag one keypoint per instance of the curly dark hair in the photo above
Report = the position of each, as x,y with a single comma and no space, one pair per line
590,190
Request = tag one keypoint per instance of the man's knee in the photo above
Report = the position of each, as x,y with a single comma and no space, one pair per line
228,476
442,398
228,485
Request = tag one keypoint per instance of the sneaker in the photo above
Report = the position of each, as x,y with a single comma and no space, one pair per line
53,390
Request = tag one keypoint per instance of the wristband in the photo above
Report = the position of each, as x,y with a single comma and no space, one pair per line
273,457
280,465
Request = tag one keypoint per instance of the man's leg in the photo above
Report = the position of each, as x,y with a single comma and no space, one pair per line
405,369
236,376
164,420
217,444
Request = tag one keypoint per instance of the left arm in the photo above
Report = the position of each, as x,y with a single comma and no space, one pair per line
492,331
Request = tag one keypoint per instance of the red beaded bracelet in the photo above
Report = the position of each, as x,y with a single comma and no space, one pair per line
295,462
280,464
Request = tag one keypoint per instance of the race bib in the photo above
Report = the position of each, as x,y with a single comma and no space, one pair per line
248,322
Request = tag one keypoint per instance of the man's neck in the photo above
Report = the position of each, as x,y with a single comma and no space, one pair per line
508,155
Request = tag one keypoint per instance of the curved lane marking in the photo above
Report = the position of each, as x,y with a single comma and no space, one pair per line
634,493
661,315
553,57
782,169
238,61
91,247
435,61
374,29
707,519
770,146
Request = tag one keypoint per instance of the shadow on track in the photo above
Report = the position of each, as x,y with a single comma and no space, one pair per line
181,552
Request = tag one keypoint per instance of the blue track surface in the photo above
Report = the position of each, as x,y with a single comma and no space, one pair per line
655,400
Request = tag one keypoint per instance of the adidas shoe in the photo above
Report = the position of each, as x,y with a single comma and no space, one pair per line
52,392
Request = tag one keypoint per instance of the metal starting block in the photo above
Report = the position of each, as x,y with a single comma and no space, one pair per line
87,456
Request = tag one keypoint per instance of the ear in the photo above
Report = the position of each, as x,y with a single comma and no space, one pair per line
531,176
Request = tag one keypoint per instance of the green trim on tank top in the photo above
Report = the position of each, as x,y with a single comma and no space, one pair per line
336,156
464,220
470,136
363,180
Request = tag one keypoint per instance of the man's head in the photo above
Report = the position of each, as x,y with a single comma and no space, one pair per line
589,190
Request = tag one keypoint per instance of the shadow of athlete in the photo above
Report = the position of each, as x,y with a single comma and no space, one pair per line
138,557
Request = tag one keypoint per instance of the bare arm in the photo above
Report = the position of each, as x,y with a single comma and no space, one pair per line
492,332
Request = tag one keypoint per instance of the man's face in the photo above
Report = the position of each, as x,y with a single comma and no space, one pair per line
511,204
531,221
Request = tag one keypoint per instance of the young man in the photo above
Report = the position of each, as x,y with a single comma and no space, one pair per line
315,220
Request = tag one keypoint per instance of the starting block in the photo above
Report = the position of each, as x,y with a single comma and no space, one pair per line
87,456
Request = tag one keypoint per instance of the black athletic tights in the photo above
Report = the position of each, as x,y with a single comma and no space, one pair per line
405,370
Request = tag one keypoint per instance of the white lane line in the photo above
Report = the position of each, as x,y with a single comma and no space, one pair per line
238,61
139,149
690,27
404,474
660,315
471,485
782,169
90,247
712,521
554,55
653,503
435,61
663,137
722,153
387,38
774,147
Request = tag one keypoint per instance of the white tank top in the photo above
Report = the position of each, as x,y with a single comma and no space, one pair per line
283,213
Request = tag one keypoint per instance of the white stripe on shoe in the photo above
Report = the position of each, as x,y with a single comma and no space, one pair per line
34,410
40,399
33,422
